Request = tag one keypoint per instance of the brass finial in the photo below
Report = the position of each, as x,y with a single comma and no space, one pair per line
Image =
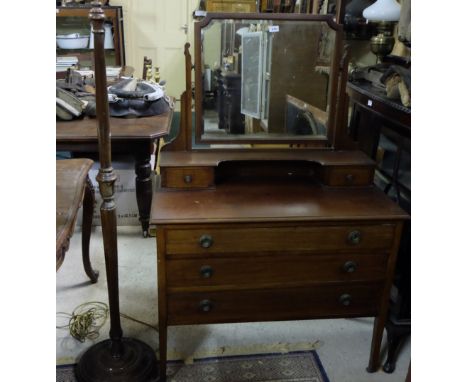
97,17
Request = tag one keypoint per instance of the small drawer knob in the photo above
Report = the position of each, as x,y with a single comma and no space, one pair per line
354,237
349,179
188,179
350,267
206,271
345,299
206,241
206,306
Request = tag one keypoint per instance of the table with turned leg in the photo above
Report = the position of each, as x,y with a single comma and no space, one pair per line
138,137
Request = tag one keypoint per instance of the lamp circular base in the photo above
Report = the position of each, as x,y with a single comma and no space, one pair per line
137,363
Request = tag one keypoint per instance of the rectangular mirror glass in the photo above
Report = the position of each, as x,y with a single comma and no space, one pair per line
265,80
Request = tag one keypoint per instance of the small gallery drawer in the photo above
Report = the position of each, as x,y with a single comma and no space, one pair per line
348,176
255,271
279,239
187,177
274,304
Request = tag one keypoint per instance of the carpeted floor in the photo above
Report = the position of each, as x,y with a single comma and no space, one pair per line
290,367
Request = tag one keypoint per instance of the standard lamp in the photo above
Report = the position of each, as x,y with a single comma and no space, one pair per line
384,13
117,359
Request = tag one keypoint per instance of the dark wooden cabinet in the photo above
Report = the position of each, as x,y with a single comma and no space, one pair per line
74,19
382,128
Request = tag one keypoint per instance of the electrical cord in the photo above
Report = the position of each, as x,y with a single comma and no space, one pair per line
88,318
139,322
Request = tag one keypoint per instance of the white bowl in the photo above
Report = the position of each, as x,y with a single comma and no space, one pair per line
72,41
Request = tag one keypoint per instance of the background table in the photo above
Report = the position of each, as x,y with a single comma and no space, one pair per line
134,136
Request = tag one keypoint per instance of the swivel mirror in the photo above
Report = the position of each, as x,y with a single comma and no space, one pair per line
266,78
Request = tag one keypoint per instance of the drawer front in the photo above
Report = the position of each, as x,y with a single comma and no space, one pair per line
349,176
254,271
278,239
274,304
187,177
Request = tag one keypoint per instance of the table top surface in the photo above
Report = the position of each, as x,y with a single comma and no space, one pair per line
377,94
272,202
376,100
121,128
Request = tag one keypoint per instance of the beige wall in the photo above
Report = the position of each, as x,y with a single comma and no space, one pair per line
153,28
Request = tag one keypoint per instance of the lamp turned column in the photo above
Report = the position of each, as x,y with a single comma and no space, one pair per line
116,359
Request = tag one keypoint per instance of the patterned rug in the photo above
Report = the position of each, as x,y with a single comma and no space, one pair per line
304,366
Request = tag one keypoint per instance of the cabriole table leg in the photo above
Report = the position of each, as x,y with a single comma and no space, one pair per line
88,208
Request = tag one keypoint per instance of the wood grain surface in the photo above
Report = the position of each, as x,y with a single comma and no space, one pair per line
120,128
248,202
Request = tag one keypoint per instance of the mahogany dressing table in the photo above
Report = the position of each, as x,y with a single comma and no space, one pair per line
280,221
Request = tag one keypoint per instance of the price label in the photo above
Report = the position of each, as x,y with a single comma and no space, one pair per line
369,102
273,28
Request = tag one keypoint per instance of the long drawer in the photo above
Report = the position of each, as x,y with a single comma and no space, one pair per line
270,270
279,239
274,304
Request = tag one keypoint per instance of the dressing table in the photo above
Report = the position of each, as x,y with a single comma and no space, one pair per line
279,220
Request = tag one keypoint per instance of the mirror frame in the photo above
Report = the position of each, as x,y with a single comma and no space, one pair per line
334,91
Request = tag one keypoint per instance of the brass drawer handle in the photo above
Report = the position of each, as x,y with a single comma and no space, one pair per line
350,267
354,237
345,299
188,179
206,241
349,179
206,306
206,271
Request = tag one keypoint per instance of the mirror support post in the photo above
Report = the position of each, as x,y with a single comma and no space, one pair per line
183,140
341,139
